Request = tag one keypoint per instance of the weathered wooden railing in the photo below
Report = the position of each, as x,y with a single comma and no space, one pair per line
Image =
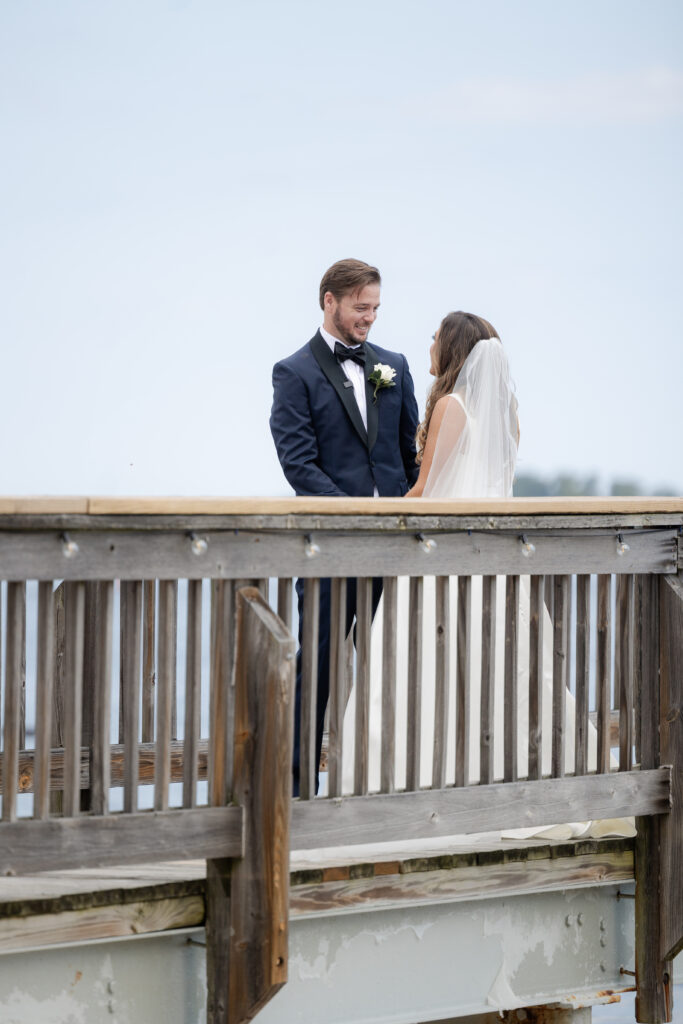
417,745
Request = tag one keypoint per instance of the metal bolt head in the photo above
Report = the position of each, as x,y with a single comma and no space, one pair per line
579,919
569,920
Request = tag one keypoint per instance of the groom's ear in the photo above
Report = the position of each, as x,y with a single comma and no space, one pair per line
328,301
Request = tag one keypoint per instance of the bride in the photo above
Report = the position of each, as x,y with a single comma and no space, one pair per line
467,448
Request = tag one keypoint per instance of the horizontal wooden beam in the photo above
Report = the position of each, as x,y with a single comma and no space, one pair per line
146,763
318,824
352,506
90,842
229,554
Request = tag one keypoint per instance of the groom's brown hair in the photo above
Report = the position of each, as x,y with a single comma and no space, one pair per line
347,276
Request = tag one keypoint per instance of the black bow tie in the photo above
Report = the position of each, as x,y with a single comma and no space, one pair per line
343,352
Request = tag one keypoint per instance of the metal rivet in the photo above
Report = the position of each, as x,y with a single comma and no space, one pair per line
569,920
579,919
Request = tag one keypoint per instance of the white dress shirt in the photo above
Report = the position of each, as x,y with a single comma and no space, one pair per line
356,374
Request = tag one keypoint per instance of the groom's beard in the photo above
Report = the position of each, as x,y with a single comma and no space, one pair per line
346,335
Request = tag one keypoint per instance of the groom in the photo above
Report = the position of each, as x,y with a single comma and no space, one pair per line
336,434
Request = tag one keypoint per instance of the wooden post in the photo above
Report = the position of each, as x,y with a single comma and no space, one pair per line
659,840
247,935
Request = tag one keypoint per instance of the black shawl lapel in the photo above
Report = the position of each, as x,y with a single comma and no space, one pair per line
371,358
337,378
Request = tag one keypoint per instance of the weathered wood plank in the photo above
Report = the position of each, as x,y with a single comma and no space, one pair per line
259,897
436,887
131,642
671,752
89,842
193,695
101,700
252,553
488,678
309,689
604,670
510,680
414,730
561,613
148,660
441,680
74,604
363,640
14,658
284,601
221,702
583,613
337,684
461,810
462,681
623,669
44,696
140,917
168,614
389,641
536,621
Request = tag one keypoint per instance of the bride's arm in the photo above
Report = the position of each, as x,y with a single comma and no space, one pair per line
430,447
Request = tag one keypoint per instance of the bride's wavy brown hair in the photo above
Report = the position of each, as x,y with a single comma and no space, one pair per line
457,335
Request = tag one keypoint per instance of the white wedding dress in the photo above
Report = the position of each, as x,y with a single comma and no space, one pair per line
474,458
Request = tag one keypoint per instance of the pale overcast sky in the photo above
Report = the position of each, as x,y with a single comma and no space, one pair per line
177,174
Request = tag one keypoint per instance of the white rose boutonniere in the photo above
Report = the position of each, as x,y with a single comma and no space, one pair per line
382,376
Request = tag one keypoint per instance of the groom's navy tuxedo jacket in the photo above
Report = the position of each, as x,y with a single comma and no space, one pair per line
321,442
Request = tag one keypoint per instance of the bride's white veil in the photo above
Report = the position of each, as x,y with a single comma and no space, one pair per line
476,448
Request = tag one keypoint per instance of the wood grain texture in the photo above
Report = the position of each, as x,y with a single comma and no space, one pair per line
363,641
221,695
27,846
488,678
74,604
14,659
253,552
389,642
536,631
309,689
510,772
101,700
131,649
45,670
561,615
458,811
623,668
462,681
193,695
583,618
337,684
148,659
441,680
168,626
264,728
604,670
414,729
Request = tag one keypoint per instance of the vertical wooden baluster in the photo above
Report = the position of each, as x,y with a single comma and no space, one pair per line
92,590
623,669
148,664
131,642
193,682
441,681
337,673
364,625
168,613
309,689
16,631
510,767
549,591
74,604
414,732
58,710
604,664
22,689
100,760
284,601
488,678
561,608
583,618
638,619
45,670
536,621
221,698
389,638
462,714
